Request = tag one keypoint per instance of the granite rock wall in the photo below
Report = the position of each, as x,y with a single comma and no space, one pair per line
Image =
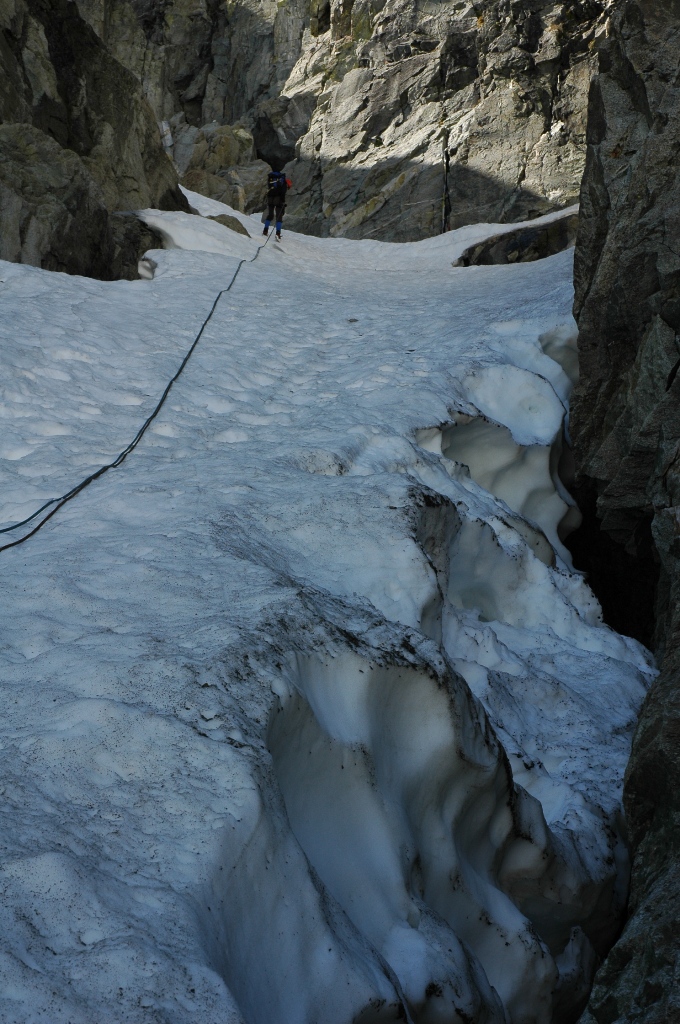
429,117
626,431
396,119
78,144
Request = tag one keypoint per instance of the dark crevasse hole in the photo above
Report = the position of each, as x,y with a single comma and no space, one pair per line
625,582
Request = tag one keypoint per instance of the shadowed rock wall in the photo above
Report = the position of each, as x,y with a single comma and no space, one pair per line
77,143
626,432
208,60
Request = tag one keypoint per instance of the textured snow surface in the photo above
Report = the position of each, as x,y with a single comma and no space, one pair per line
306,718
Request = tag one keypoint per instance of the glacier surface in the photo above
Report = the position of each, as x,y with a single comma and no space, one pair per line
307,717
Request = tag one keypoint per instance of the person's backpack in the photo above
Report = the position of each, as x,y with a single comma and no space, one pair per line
277,186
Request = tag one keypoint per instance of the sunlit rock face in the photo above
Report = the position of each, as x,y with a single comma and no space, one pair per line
395,120
436,116
626,432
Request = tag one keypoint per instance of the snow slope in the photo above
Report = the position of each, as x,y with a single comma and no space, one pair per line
306,717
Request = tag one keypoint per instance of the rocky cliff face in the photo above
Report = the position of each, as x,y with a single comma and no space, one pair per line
434,116
395,119
626,431
77,143
207,60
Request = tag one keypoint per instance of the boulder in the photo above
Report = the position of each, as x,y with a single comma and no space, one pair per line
232,223
242,188
219,162
223,189
252,178
220,147
524,245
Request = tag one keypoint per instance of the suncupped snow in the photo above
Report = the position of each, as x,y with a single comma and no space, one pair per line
307,717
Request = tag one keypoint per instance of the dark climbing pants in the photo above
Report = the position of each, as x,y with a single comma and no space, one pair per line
277,205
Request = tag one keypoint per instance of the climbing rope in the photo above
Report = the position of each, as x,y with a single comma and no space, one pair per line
54,504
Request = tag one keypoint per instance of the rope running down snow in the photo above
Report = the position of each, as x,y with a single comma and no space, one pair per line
60,502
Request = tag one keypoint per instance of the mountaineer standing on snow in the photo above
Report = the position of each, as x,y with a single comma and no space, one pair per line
277,187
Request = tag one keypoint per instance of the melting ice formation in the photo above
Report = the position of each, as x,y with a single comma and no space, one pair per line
307,717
